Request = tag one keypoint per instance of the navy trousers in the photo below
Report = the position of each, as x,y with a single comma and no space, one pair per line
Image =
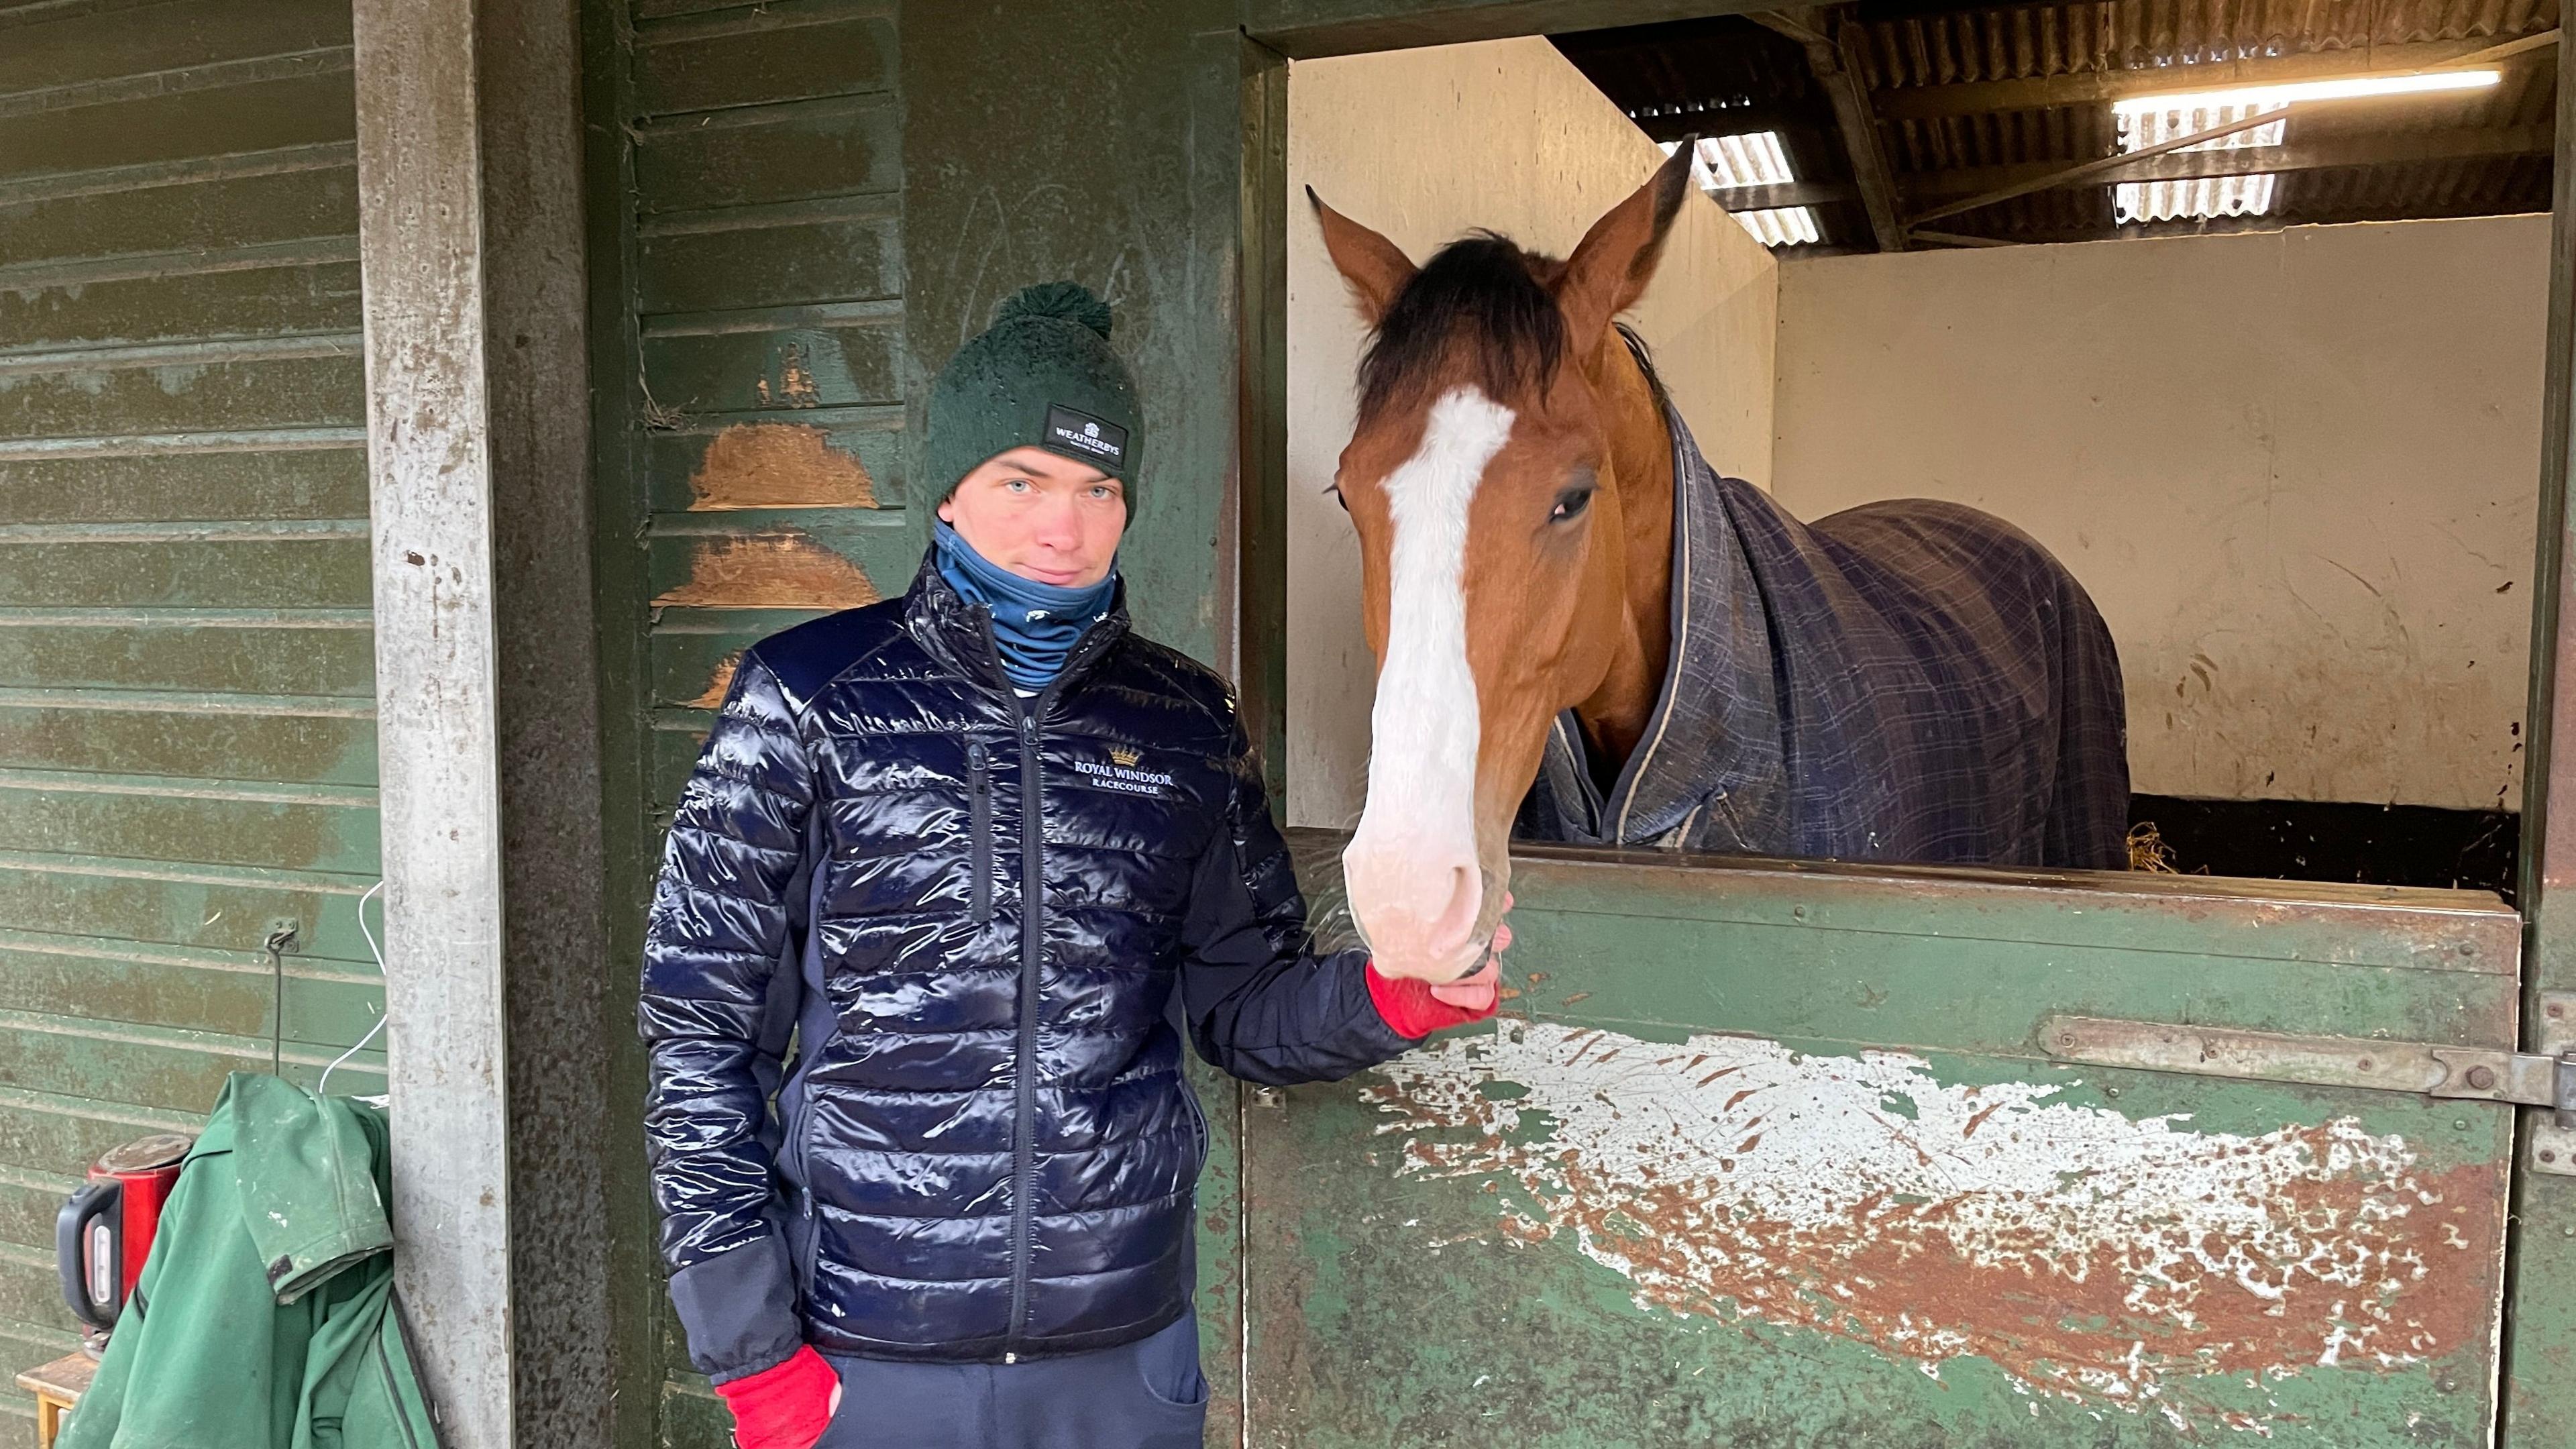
1142,1395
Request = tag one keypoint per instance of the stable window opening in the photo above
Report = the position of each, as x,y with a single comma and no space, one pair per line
2270,393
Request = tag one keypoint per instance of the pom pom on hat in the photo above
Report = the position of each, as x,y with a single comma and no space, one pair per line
1063,301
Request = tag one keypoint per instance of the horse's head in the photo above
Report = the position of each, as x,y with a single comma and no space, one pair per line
1484,479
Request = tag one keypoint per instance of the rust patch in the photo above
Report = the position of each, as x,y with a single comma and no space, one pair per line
783,569
2096,1258
777,465
721,680
796,387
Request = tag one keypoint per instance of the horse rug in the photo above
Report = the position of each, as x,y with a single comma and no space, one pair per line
1905,681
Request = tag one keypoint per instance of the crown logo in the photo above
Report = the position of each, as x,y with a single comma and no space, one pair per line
1091,430
1123,757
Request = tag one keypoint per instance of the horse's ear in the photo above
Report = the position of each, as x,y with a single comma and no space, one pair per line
1609,270
1375,267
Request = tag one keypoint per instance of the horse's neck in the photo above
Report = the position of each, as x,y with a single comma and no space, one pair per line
1641,467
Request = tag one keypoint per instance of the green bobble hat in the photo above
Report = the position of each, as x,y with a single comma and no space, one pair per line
1042,375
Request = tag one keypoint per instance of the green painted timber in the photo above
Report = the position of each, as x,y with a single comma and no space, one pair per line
748,287
1778,1156
1129,180
187,733
2540,1350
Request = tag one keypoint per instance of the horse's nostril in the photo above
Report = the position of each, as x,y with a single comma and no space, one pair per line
1419,897
1458,912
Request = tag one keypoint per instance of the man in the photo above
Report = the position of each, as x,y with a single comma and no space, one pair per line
972,846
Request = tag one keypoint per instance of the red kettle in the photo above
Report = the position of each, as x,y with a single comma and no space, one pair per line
104,1231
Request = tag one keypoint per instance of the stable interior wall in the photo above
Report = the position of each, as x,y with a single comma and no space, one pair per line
2297,469
1426,145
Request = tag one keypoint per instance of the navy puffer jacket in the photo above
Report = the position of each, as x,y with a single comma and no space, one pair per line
974,911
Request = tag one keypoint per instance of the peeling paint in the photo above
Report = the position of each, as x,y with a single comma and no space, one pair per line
806,365
713,696
782,569
2096,1258
777,465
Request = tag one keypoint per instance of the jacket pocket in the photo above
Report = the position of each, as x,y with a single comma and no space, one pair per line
1198,1125
805,1232
979,863
1167,1367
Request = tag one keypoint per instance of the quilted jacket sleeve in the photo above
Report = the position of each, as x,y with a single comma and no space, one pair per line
1261,1005
716,1005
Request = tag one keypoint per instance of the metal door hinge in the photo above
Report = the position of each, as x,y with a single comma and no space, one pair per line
2544,1078
2550,1147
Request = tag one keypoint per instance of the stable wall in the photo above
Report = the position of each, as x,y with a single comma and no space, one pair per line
1425,145
187,695
2297,470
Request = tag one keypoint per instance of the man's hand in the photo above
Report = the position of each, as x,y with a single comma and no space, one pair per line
1415,1009
1480,989
784,1407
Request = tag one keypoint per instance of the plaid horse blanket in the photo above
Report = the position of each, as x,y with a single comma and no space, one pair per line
1904,681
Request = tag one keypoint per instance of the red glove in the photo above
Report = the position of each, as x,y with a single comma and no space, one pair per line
786,1406
1415,1008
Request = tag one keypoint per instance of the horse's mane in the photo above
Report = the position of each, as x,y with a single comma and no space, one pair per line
1646,364
1482,293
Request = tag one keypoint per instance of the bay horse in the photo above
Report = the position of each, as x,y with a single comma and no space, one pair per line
1583,628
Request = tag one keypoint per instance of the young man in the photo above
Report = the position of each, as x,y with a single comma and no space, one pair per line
971,847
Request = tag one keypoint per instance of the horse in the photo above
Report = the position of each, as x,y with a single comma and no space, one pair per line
1583,630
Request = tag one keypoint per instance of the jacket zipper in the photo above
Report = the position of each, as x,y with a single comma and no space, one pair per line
810,1244
979,786
800,1122
1198,1119
1024,1122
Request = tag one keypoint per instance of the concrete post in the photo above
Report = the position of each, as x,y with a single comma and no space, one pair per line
470,240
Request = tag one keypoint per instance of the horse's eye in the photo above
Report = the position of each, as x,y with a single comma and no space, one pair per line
1335,493
1570,505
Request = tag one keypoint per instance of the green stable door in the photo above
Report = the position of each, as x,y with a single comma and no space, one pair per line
1872,1157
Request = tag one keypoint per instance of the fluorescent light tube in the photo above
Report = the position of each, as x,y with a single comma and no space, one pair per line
2347,88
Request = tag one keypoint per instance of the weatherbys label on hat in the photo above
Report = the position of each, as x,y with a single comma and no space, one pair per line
1081,435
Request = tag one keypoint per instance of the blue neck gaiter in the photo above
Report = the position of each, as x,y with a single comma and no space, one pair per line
1035,625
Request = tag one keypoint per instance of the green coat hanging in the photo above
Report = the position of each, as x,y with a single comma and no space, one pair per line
265,1318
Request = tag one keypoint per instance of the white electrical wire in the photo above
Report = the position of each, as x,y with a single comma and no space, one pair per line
377,951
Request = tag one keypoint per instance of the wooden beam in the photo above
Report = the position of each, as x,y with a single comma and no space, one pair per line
1965,98
1259,629
1786,193
1934,187
1312,29
1794,24
1831,58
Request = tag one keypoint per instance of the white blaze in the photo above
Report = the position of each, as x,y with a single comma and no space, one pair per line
1420,819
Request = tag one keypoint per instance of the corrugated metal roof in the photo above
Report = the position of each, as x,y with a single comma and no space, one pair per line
2019,42
1972,99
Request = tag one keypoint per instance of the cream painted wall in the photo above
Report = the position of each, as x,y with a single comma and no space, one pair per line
1425,145
2297,469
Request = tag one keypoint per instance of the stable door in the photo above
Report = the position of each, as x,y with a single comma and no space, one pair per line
1819,1155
